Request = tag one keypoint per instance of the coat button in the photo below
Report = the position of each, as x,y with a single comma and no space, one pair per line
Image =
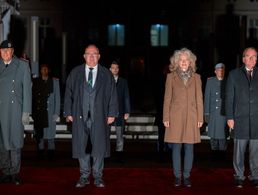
12,101
80,117
12,91
217,107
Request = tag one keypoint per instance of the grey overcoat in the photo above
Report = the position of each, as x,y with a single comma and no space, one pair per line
15,98
214,107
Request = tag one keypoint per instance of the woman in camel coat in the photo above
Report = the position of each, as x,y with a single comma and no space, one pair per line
182,111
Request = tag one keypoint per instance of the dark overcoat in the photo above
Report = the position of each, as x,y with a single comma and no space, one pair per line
242,103
15,98
105,105
123,100
45,104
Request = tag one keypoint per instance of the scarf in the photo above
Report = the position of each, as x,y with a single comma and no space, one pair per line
184,75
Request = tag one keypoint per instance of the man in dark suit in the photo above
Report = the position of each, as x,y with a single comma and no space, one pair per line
15,104
91,105
242,115
124,109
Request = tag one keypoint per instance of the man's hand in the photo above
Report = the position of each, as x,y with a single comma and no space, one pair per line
25,118
231,123
110,120
69,119
55,117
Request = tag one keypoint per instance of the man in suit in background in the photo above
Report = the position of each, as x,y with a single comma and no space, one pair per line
124,109
91,105
15,104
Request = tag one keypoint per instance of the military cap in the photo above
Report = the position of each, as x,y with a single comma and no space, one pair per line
6,44
219,65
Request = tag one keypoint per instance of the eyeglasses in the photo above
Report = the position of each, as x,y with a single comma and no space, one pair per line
91,55
251,57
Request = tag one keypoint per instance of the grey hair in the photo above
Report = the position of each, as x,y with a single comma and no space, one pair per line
174,59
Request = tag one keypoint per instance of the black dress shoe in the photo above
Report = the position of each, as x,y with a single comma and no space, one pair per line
255,183
239,183
16,179
5,178
99,183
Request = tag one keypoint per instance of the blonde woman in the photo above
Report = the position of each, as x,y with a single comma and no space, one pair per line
182,112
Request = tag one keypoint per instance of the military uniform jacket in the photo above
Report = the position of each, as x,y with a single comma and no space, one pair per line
214,107
15,98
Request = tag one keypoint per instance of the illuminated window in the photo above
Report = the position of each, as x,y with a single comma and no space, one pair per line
116,35
253,28
159,35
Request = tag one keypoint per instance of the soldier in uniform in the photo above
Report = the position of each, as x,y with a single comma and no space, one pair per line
15,104
45,110
214,110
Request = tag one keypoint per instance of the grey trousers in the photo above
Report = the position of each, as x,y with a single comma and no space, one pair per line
240,146
97,167
119,138
10,161
50,144
85,162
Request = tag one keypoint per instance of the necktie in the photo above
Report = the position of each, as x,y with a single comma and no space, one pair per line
6,65
249,74
90,78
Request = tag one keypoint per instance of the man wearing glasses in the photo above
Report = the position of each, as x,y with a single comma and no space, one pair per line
91,105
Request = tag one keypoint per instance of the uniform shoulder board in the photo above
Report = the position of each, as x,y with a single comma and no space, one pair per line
55,78
25,60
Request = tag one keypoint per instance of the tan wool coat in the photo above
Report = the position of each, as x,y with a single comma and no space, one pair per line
183,108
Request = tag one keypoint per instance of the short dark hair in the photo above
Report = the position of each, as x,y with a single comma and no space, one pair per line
115,62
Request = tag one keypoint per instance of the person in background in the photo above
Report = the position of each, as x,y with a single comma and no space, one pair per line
182,112
124,109
91,105
45,111
159,84
15,104
242,115
214,111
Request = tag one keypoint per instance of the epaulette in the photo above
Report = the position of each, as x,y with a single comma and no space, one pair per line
25,60
55,78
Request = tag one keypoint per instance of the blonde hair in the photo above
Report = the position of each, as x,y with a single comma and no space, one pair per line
174,59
